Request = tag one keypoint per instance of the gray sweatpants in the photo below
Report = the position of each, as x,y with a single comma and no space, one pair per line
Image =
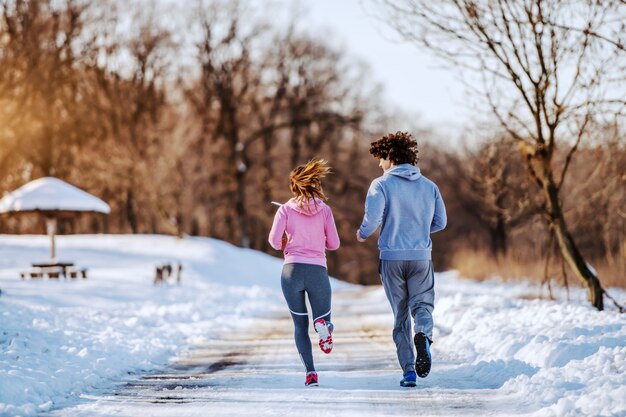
312,280
409,286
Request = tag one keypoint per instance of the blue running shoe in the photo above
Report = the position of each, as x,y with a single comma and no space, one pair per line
423,359
409,380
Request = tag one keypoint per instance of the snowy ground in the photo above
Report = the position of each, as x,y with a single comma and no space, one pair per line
220,343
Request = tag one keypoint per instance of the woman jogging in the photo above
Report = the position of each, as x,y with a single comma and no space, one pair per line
304,228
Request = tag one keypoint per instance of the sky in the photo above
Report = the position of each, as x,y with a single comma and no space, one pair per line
413,80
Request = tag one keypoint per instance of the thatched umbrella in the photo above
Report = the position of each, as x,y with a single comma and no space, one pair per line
52,198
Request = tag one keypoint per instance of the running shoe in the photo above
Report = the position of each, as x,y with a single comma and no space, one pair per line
409,380
423,359
326,338
311,379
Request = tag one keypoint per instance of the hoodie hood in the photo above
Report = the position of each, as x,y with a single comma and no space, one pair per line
406,171
310,207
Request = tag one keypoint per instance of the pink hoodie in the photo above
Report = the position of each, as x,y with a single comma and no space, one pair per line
309,232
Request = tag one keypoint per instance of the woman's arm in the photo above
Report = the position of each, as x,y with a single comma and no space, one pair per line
330,228
278,229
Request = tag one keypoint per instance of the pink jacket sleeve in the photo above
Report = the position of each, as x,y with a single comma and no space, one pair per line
278,229
332,237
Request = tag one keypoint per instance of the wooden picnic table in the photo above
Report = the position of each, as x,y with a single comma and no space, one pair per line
54,270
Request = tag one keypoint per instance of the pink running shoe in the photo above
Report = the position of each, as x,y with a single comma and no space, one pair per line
311,379
326,338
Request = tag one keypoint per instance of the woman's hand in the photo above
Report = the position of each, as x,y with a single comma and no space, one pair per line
358,237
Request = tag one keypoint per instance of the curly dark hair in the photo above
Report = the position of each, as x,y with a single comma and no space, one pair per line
399,148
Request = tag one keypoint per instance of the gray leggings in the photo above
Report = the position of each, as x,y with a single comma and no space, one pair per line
296,280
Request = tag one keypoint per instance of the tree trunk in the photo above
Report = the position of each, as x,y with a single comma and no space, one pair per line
499,238
240,207
295,146
239,163
267,188
130,210
568,247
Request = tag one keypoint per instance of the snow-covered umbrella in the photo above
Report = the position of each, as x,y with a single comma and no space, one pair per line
52,198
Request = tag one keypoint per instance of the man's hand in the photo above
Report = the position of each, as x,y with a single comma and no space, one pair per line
358,237
283,243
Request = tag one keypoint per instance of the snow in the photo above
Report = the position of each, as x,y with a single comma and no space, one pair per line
51,194
66,346
560,359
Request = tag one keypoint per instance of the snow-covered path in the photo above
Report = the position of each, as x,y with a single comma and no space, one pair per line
221,342
256,372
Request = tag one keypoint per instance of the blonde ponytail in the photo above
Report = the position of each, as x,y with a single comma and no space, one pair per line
305,181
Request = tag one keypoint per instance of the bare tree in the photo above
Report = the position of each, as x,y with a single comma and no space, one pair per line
255,87
597,197
40,65
130,94
491,186
547,68
229,82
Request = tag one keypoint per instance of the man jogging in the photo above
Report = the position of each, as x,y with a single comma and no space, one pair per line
409,207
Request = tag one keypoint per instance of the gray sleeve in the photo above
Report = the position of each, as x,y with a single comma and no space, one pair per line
440,219
374,209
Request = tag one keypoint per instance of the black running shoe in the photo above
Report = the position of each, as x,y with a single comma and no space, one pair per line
423,359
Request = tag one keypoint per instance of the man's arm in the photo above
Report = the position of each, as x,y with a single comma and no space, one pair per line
374,209
440,219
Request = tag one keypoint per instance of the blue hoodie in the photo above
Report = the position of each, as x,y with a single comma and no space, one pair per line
409,207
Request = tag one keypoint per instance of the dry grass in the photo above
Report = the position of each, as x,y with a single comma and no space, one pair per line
481,265
612,276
